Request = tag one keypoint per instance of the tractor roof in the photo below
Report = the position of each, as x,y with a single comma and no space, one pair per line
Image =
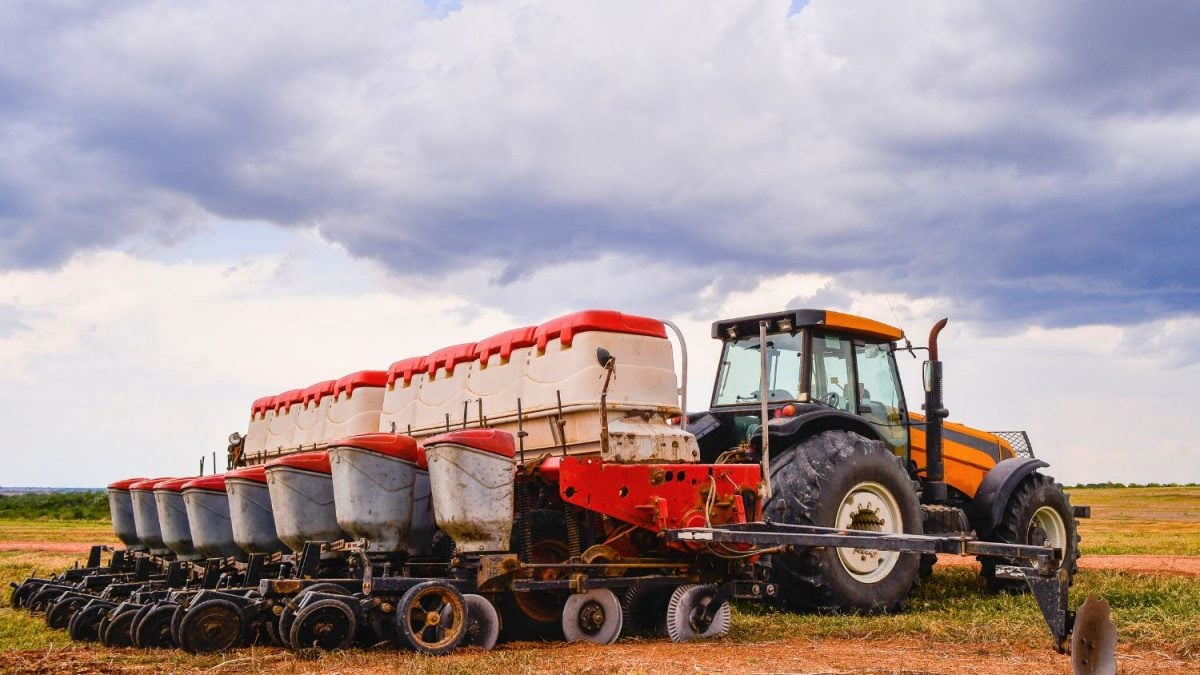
801,318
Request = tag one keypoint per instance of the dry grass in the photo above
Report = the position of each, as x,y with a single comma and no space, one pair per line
1150,521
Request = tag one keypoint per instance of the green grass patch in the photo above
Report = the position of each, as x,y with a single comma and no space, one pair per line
90,505
1155,612
1140,520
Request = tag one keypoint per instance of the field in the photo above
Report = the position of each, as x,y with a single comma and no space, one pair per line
1141,548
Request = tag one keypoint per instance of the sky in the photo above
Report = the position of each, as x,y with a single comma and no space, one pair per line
207,202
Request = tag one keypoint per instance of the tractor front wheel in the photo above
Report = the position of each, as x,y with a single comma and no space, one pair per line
1037,513
844,480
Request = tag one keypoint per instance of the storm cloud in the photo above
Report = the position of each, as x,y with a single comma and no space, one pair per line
1031,161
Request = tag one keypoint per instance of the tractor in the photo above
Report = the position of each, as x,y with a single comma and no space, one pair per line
843,449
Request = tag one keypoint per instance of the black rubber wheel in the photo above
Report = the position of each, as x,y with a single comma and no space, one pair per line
153,631
928,560
211,626
431,618
645,610
176,621
21,594
327,624
118,630
272,626
1037,512
41,601
283,624
483,623
537,615
59,616
85,624
841,479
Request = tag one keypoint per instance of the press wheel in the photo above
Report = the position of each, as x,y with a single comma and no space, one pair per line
685,614
594,616
483,622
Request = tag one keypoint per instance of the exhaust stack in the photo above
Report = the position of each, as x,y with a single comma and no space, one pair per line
935,412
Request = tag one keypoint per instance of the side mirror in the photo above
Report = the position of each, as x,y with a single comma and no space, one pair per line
603,356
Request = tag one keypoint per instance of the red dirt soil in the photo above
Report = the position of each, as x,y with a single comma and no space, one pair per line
784,656
1137,564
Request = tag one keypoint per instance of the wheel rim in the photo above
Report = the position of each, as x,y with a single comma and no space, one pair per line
435,618
1047,527
594,617
871,507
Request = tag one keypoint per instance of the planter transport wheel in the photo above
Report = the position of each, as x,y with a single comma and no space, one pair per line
431,618
154,630
327,624
685,611
594,616
211,626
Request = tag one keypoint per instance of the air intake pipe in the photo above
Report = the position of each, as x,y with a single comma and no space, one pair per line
935,469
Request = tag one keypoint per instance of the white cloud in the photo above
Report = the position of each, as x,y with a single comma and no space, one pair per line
123,365
995,151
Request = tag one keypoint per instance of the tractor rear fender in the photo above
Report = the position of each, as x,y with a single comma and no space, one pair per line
787,431
987,508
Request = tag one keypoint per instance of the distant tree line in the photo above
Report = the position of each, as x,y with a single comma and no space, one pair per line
1110,484
87,505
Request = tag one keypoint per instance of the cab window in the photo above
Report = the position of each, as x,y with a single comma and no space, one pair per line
832,375
738,378
879,394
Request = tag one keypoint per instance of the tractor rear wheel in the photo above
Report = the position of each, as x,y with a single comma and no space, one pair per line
844,480
1038,513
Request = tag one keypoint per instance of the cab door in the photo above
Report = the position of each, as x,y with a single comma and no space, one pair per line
879,396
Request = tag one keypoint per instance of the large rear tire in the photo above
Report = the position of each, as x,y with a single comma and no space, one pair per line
844,480
1038,512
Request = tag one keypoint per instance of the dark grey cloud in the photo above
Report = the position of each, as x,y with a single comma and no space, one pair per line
1036,161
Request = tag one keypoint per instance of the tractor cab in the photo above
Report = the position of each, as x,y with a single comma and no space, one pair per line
816,362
